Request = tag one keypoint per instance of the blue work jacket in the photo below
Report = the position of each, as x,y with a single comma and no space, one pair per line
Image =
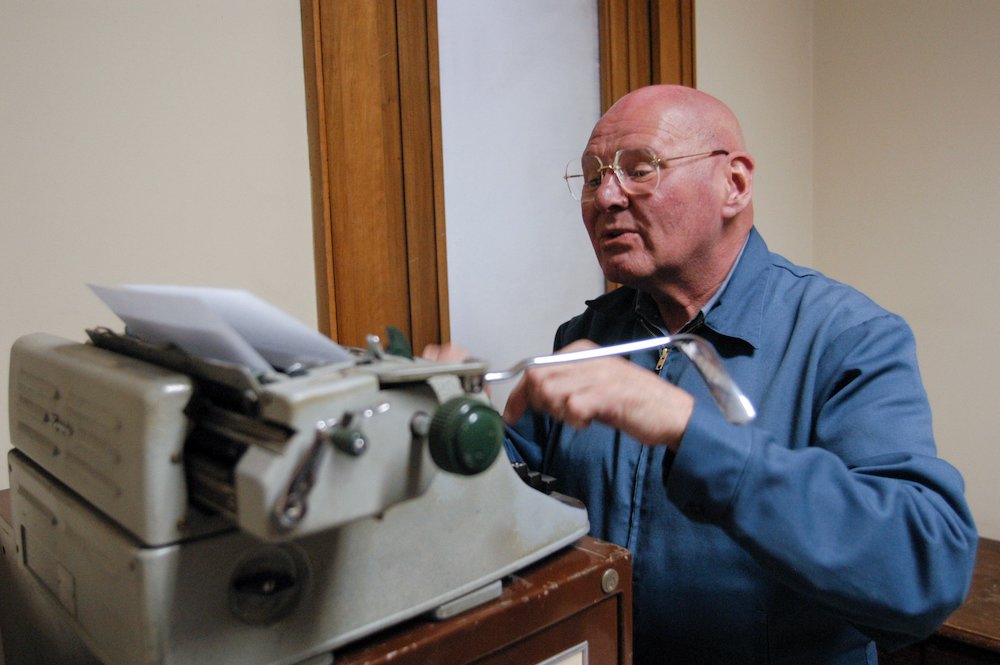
825,525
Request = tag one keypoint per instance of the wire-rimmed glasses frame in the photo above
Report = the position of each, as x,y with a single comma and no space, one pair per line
638,173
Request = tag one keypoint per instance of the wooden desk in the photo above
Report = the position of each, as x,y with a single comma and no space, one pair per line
546,609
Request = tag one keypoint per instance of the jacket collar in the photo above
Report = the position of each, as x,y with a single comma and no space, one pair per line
739,311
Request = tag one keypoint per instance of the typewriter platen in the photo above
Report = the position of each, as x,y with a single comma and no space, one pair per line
177,509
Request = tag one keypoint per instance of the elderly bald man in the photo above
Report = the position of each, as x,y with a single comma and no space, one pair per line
826,526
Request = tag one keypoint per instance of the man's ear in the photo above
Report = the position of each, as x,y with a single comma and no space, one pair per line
739,186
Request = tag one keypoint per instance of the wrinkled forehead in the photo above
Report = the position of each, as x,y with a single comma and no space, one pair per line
662,130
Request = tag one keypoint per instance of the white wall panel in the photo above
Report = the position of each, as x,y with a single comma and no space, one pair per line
519,96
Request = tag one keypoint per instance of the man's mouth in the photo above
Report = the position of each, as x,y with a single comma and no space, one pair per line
612,234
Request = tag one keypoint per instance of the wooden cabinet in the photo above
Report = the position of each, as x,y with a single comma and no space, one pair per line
579,599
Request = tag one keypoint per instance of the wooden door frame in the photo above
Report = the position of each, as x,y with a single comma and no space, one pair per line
373,116
644,42
374,121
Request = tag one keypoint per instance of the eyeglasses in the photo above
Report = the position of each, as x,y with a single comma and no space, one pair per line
637,170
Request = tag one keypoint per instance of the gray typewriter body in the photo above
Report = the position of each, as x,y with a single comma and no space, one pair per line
169,509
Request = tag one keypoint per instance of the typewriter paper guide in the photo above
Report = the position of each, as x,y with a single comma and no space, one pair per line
223,324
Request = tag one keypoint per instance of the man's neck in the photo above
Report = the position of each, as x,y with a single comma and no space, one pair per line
680,301
676,311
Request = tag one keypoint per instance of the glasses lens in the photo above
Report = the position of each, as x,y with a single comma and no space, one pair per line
583,177
638,170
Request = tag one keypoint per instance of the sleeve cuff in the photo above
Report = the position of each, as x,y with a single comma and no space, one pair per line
709,465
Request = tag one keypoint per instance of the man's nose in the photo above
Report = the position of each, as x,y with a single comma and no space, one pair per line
610,193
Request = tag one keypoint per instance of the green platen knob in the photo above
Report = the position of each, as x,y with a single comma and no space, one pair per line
465,436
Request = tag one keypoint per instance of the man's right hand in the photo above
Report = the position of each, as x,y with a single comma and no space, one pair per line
609,390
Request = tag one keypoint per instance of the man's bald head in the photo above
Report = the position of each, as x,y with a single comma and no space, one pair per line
688,114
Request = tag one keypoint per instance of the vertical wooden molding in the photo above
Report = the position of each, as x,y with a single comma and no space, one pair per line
437,173
644,42
373,115
639,46
688,63
612,23
672,42
326,306
420,132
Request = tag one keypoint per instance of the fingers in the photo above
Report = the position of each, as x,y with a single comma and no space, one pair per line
446,352
574,394
431,352
517,404
612,391
520,398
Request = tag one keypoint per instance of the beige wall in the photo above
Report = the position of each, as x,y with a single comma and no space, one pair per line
148,141
908,109
905,105
757,57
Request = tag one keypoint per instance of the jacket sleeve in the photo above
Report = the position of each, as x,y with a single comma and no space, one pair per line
522,442
865,519
525,441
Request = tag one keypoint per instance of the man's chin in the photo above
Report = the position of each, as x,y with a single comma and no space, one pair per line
619,274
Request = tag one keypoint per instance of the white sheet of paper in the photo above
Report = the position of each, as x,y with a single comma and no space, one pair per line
225,324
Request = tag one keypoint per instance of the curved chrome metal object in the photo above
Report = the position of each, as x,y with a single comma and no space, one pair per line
735,406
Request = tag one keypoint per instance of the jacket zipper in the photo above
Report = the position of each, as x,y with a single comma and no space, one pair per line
634,507
663,359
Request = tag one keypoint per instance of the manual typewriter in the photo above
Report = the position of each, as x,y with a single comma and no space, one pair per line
178,509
